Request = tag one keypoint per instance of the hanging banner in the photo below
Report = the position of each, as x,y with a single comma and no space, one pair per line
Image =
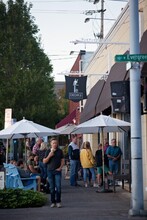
76,88
8,117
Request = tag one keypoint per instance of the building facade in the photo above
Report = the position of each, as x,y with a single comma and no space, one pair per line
102,70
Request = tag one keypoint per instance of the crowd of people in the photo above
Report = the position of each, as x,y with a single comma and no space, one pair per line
107,157
46,163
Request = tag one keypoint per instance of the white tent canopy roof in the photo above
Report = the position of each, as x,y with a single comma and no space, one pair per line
66,129
25,128
107,123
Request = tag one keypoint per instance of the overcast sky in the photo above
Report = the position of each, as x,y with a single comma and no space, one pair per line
61,21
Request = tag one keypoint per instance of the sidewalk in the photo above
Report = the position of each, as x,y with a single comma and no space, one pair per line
78,203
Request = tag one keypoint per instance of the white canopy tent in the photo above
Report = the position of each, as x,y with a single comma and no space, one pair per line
25,129
66,129
102,123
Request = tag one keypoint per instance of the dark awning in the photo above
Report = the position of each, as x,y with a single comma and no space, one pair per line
67,120
117,73
92,99
143,50
144,70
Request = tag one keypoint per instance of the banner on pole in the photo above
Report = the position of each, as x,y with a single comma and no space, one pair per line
76,88
8,117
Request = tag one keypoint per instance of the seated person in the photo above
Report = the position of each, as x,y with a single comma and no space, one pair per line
22,172
36,163
13,162
32,170
31,164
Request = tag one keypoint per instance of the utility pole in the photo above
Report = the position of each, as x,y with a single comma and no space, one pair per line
102,10
136,137
102,20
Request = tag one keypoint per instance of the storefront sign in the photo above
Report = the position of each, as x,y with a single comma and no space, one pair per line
76,88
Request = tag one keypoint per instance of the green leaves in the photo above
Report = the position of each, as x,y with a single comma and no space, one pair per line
26,84
18,198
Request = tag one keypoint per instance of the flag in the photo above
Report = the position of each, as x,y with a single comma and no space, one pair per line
76,88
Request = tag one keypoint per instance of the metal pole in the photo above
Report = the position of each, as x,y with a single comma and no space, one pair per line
7,150
136,142
102,20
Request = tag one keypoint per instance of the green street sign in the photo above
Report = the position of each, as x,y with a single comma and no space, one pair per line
131,58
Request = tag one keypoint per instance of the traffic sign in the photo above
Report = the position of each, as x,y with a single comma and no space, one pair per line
131,58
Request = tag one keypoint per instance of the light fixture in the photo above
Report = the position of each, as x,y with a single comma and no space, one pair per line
91,12
96,1
81,52
108,19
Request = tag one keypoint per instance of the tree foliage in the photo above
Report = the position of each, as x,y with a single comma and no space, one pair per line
63,109
26,84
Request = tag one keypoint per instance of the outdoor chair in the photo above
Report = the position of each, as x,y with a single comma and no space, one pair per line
124,175
14,181
9,174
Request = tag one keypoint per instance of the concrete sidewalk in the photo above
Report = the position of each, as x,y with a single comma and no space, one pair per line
78,203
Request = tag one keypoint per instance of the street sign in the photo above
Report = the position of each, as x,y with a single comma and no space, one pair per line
131,58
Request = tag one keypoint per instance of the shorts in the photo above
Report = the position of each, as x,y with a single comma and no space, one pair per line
100,169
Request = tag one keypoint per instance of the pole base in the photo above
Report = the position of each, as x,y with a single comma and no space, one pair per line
141,212
102,190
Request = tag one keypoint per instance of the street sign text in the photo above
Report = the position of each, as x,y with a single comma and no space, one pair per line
131,58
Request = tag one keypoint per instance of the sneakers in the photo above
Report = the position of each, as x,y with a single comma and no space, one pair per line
95,185
53,205
58,205
86,185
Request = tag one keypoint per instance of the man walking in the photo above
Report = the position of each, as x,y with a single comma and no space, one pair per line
74,156
113,153
55,161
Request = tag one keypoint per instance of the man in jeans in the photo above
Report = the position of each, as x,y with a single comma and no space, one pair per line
55,161
74,156
114,153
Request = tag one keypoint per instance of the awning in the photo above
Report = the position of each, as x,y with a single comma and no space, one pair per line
143,43
66,129
117,73
143,49
92,99
67,120
144,70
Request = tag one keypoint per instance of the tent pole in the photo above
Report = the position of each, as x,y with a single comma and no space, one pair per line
7,150
103,162
25,149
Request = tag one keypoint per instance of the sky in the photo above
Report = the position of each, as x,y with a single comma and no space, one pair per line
62,21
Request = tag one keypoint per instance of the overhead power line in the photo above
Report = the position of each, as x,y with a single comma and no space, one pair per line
58,11
56,1
65,58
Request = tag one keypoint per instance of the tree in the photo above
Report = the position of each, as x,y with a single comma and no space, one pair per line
26,84
63,109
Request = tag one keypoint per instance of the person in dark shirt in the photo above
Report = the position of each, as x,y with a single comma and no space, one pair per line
2,155
74,157
41,154
114,154
55,161
99,164
22,172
